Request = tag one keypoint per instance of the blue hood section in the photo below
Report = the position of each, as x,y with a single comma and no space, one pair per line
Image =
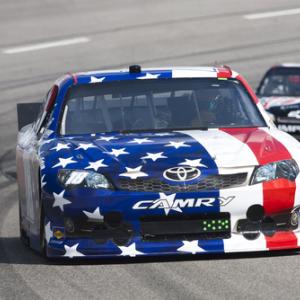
175,149
79,152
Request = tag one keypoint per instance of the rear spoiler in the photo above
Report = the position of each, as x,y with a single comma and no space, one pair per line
28,113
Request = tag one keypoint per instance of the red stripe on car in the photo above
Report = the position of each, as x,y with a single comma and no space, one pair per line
248,88
282,240
278,195
265,147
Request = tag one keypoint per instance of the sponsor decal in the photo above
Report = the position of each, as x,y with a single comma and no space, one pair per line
294,114
168,203
289,128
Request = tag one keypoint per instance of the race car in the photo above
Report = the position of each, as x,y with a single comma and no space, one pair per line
145,162
279,92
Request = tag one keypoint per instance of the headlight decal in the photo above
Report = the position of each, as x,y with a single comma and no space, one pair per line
83,178
285,169
76,178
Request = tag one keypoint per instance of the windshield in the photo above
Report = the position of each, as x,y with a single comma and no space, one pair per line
281,82
160,104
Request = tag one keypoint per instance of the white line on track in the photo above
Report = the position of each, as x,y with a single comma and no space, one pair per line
272,14
41,46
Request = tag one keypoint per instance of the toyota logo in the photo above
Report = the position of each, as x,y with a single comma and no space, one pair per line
182,173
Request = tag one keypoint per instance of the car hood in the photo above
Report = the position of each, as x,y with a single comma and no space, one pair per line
131,156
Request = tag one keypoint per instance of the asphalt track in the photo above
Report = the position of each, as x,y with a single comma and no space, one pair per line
119,33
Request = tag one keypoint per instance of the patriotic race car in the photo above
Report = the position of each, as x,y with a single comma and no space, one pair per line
155,162
279,92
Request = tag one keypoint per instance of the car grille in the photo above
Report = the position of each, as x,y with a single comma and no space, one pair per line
186,227
213,182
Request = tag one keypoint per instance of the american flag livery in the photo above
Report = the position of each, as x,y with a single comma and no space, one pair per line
121,221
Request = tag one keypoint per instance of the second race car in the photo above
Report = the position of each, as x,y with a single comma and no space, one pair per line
279,92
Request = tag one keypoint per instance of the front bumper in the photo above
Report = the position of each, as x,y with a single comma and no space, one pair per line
151,229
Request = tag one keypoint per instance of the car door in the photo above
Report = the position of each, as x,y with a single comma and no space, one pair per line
28,167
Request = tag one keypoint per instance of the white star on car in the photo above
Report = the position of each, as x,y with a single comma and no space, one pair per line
48,232
85,146
94,79
42,163
95,215
63,162
177,145
117,152
140,141
154,156
190,247
60,201
60,146
106,138
130,250
72,251
43,183
96,165
167,203
149,76
44,142
193,163
134,173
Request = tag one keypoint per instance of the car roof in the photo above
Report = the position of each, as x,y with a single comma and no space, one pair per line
149,73
197,71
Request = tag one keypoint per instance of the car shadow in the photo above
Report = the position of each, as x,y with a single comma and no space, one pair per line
13,251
